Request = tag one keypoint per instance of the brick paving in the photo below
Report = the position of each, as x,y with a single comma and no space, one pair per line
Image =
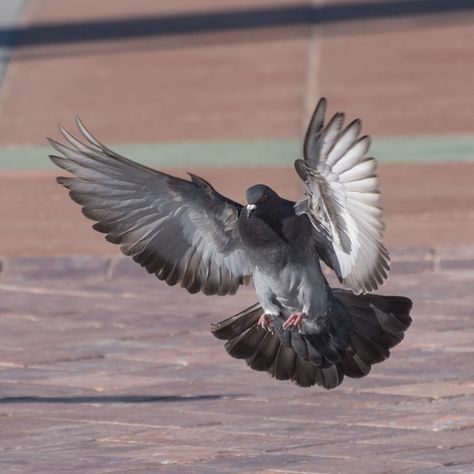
104,369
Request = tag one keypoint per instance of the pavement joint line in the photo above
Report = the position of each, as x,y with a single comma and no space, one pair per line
110,267
64,292
252,153
104,422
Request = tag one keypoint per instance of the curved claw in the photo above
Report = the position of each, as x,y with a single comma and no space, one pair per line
265,321
294,320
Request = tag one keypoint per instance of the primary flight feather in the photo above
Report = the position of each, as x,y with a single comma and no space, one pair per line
186,233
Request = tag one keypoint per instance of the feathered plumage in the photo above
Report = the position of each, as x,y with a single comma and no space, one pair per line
186,232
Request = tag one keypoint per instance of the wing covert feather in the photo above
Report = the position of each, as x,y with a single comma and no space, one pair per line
342,201
182,231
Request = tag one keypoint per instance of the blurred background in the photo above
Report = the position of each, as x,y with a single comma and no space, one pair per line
225,89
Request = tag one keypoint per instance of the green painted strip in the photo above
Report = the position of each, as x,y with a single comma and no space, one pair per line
229,153
424,149
254,152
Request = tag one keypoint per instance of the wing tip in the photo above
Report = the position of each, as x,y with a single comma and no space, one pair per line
322,104
63,180
58,160
79,122
54,143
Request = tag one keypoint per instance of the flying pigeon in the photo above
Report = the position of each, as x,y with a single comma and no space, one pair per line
185,232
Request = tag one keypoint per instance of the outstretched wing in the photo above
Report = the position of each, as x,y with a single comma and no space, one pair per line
342,200
183,231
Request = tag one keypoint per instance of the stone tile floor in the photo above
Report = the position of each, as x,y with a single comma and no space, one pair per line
103,369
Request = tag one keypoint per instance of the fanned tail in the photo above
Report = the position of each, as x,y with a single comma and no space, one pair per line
379,323
263,351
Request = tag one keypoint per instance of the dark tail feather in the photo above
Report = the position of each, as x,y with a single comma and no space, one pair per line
235,325
263,351
379,323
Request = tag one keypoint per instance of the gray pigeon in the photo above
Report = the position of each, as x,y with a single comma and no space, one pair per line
186,232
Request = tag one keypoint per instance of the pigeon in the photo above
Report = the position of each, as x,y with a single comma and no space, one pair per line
187,233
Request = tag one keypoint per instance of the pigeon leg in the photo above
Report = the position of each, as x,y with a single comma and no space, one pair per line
295,320
265,321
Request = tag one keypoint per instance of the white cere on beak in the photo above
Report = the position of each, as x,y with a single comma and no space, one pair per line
250,208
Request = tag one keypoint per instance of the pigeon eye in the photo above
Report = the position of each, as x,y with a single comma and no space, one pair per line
264,198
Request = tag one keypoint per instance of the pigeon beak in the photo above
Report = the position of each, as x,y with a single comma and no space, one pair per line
250,209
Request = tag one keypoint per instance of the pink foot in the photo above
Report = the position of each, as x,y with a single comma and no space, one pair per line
294,320
265,321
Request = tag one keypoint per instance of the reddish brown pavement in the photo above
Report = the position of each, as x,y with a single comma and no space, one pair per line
403,75
101,371
425,204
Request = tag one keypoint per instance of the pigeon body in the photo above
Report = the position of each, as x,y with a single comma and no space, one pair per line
187,233
287,273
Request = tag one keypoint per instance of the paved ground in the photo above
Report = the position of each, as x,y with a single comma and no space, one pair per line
101,371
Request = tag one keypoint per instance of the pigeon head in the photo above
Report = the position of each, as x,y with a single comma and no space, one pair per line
258,197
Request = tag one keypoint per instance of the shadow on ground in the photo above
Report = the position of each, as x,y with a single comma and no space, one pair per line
116,399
